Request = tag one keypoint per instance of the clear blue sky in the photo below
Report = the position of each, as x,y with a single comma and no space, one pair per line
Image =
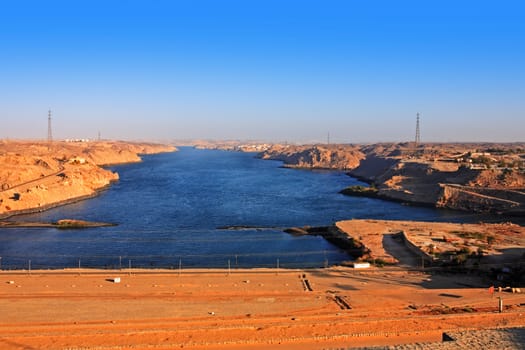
264,69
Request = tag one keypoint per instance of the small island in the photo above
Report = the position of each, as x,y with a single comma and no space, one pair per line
361,191
60,224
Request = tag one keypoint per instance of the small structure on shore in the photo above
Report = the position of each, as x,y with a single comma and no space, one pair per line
361,265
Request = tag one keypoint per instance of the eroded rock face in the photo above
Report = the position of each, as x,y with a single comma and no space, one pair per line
342,157
418,182
498,178
490,190
462,189
436,175
36,175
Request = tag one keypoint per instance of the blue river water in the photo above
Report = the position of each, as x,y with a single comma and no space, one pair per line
170,210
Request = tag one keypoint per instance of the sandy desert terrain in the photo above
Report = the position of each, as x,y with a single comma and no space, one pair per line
255,309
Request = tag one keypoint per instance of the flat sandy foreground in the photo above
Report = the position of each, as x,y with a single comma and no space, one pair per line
334,308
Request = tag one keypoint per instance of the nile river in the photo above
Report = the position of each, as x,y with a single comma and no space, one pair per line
170,209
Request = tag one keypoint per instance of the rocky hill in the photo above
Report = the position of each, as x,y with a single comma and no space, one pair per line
37,175
473,177
318,156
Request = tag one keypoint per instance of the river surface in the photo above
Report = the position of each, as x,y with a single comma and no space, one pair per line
171,207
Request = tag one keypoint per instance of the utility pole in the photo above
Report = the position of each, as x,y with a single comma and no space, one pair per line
328,138
49,130
418,134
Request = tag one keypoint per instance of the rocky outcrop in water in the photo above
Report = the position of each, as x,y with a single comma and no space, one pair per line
341,157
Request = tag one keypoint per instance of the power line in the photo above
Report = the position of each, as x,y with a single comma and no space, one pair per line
418,134
49,132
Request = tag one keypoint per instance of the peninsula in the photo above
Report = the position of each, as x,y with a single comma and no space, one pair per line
36,176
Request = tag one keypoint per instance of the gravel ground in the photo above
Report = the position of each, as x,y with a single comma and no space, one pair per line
500,339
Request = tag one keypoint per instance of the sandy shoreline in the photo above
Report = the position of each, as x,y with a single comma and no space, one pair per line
197,309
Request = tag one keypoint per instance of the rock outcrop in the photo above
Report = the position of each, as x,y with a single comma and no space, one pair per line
454,176
341,157
478,199
35,176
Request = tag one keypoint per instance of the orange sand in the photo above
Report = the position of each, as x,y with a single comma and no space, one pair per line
242,309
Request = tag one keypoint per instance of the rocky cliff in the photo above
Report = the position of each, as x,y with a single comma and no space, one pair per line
442,175
319,156
418,182
35,175
482,199
446,185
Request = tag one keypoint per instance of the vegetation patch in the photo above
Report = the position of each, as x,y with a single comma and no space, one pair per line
377,262
360,191
470,235
446,310
77,224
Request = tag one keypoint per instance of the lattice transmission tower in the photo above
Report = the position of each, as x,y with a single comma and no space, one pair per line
49,130
418,133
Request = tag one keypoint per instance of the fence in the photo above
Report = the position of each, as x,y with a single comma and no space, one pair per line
259,260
